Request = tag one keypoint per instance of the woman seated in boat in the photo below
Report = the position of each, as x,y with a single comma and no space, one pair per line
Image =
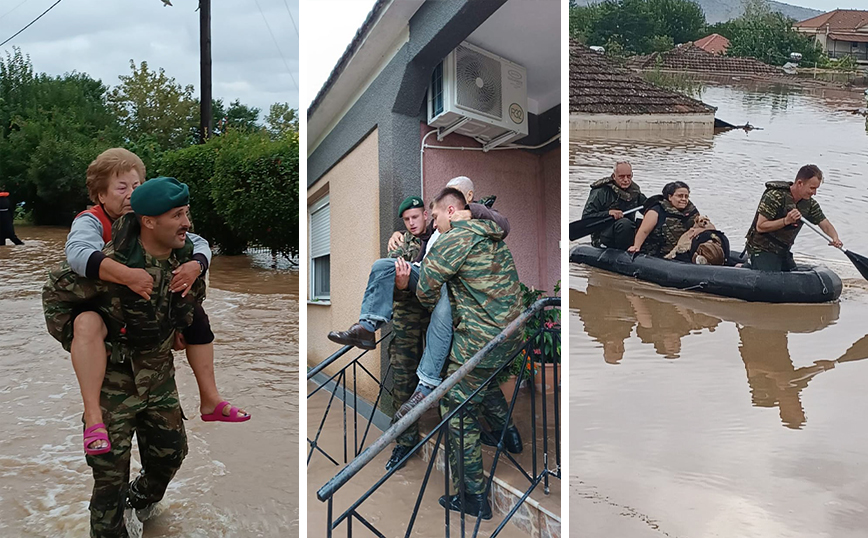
666,219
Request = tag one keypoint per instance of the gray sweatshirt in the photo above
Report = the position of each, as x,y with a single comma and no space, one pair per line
84,246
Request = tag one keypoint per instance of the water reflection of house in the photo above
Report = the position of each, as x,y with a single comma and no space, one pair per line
607,97
367,125
843,32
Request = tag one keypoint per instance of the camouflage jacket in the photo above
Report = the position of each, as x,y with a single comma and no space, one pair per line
409,248
607,195
137,328
480,274
775,203
671,225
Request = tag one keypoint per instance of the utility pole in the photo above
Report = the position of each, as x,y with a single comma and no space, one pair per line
206,123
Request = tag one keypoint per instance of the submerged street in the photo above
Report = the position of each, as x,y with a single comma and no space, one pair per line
238,479
694,415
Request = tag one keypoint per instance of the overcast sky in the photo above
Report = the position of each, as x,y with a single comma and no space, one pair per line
321,54
100,37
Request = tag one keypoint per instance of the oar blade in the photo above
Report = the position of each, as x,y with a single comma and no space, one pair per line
585,227
860,261
857,351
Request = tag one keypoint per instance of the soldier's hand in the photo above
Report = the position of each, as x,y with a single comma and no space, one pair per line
180,343
792,217
461,214
836,243
184,277
141,282
402,274
617,213
395,241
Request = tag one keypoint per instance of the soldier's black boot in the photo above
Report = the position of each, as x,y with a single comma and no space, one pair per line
354,336
511,441
472,504
398,454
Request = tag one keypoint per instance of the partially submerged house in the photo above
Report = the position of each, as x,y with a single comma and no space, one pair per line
606,97
714,43
843,32
691,57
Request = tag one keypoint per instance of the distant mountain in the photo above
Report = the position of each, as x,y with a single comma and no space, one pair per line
724,10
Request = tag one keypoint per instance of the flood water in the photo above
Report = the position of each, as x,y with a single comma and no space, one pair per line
696,416
238,479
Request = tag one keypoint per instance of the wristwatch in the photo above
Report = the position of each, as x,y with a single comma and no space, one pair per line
201,267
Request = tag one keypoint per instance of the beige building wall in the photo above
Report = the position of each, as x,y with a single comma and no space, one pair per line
684,124
353,186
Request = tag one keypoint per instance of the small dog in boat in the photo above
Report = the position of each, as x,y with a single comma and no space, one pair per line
700,224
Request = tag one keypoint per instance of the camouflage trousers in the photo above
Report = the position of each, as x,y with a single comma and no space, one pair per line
153,413
409,322
488,403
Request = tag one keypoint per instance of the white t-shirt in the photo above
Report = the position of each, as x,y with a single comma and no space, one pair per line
434,237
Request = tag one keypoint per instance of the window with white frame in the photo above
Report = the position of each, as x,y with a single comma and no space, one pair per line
320,234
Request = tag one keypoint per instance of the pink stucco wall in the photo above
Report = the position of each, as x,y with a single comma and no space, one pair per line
527,186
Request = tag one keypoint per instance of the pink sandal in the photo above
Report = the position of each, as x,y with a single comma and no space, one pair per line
91,436
218,416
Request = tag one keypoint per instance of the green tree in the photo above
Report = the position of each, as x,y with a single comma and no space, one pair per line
52,127
255,188
769,36
237,116
151,103
281,120
638,26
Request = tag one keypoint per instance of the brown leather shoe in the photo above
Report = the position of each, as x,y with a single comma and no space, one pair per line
355,336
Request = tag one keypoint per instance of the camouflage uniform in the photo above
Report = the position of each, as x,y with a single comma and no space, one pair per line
671,225
409,322
606,195
771,250
484,291
138,393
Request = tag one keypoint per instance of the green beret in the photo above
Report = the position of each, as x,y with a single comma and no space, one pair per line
411,202
159,195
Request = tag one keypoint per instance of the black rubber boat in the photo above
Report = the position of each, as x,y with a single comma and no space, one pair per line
804,285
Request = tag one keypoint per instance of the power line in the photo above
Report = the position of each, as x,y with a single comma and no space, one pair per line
16,34
290,17
13,9
288,70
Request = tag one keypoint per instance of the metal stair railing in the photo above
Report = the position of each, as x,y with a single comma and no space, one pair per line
340,381
538,474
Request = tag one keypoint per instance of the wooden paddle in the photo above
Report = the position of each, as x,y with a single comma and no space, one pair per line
861,262
584,227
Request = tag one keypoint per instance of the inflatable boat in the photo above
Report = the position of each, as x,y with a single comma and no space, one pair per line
803,285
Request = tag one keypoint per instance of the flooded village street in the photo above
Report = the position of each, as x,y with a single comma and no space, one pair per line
698,416
238,479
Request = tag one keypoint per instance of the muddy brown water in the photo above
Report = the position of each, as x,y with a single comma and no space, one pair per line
238,479
696,416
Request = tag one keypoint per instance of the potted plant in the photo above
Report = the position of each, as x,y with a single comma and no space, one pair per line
543,333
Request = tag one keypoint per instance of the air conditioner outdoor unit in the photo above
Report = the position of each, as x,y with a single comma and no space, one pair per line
478,94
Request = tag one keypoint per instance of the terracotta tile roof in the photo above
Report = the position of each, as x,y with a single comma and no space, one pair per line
714,43
841,20
598,86
854,37
689,57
